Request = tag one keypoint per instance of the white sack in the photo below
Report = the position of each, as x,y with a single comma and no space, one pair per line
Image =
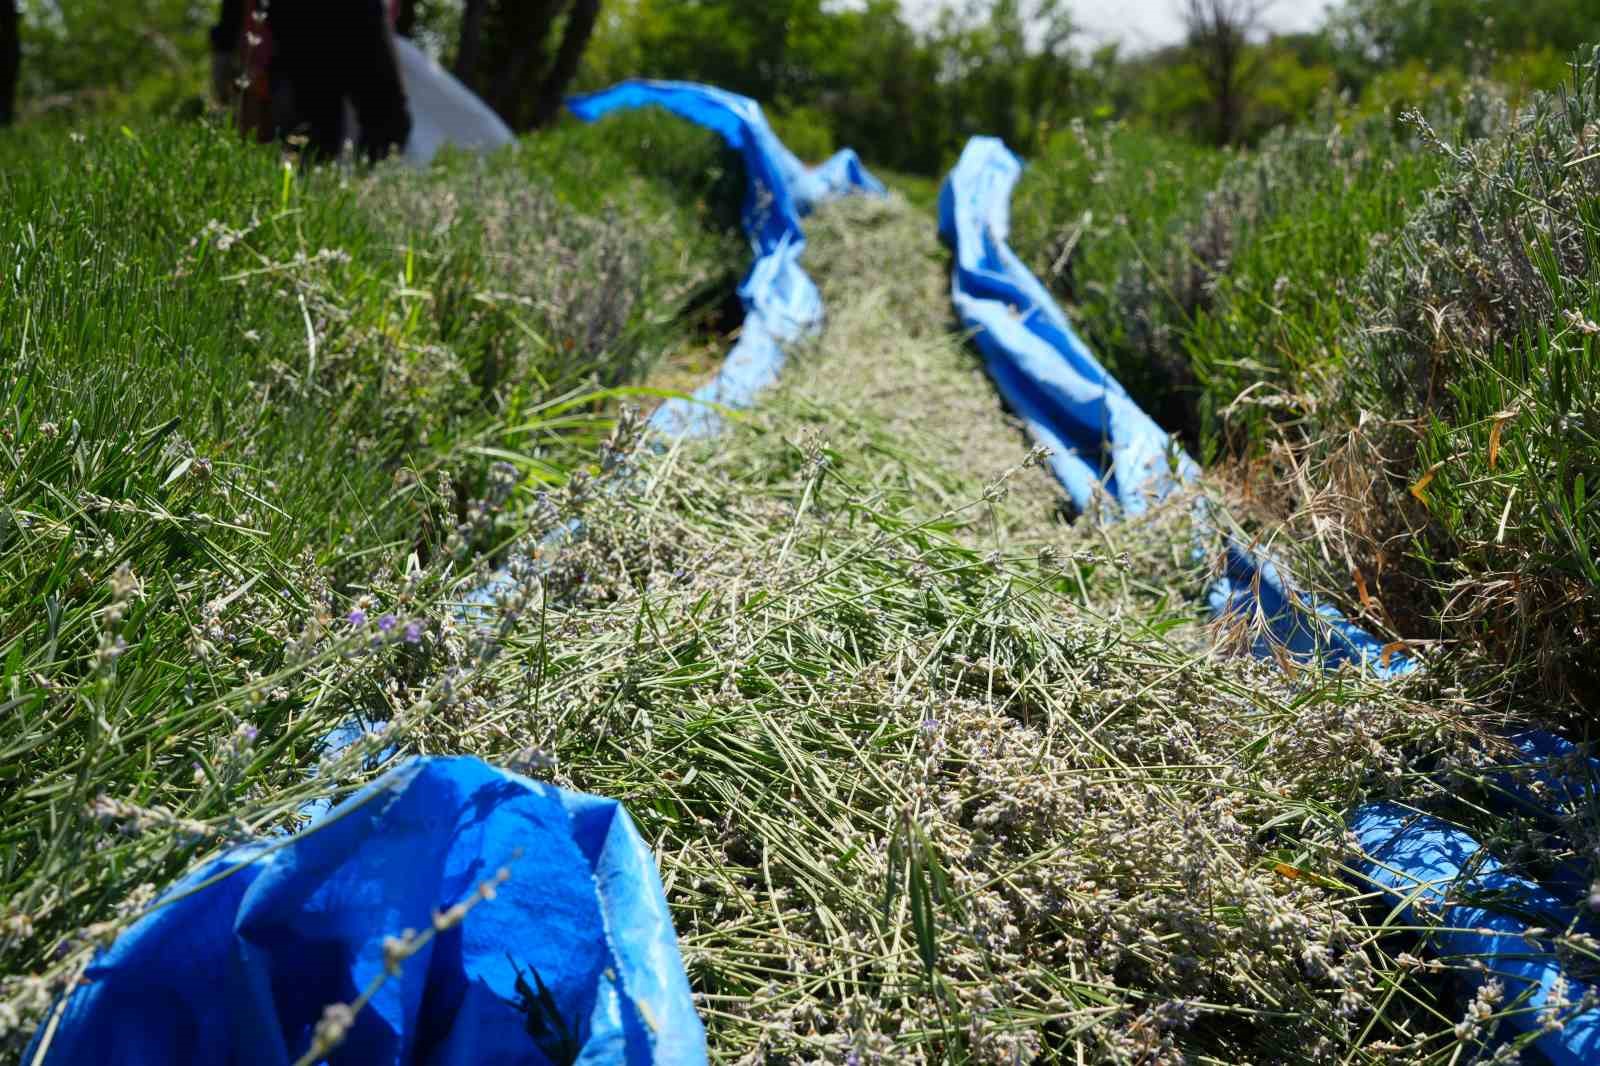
443,111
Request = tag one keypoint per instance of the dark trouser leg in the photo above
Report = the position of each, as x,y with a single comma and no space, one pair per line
374,86
334,50
307,103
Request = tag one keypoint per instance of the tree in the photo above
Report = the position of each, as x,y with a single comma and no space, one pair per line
775,51
470,47
10,59
1467,35
1049,80
1005,68
520,55
574,39
1219,34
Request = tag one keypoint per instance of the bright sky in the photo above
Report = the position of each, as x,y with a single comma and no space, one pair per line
1143,24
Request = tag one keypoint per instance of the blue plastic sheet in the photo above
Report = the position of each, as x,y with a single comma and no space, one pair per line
1102,443
240,958
781,302
1482,913
1252,586
1099,439
1554,781
1566,777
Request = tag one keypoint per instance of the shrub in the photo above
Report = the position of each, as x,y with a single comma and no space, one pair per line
1473,388
806,131
262,428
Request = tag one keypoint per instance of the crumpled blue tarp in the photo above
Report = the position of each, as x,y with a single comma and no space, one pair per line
1253,586
781,302
244,953
1555,781
1566,776
1101,441
1482,913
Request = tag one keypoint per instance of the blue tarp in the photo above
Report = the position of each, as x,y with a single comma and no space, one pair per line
1252,587
1553,780
1482,914
1101,442
238,961
1567,778
781,302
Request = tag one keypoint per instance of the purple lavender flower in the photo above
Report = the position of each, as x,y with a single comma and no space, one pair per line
357,617
249,733
387,622
413,632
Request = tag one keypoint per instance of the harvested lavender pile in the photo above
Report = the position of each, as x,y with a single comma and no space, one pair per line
930,775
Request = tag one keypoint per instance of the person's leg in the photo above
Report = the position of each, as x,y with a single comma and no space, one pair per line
307,86
308,104
372,80
328,52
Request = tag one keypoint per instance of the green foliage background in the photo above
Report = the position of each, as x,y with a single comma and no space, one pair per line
907,94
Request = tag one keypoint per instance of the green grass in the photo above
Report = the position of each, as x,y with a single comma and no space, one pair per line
1289,227
1347,313
1221,287
1216,285
241,398
919,189
932,774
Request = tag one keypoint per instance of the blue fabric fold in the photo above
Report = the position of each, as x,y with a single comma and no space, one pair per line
238,960
1553,780
1564,777
1254,588
1102,445
1476,911
1101,442
781,302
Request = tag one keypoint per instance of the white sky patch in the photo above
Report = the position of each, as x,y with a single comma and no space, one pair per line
1145,24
